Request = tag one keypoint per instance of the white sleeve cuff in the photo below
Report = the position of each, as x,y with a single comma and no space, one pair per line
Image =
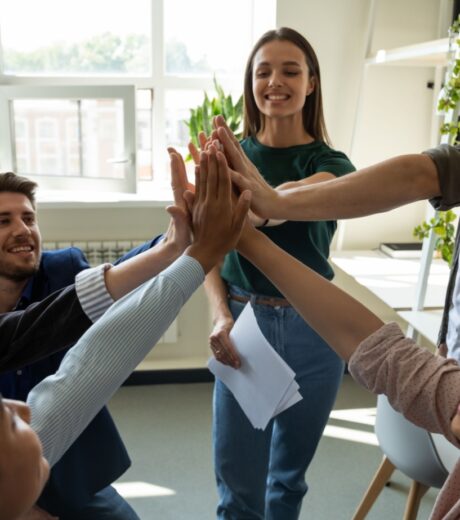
92,291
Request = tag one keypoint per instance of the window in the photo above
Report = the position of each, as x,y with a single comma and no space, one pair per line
77,137
88,37
93,101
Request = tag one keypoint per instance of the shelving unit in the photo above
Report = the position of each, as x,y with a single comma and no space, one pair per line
434,53
425,54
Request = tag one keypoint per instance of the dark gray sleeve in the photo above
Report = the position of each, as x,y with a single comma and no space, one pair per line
447,160
43,328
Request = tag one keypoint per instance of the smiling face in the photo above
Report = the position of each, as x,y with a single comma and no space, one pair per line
23,470
281,80
19,237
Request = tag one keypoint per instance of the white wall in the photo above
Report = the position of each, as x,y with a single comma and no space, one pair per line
379,113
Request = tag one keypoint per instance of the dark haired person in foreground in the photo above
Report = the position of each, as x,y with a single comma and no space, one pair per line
63,404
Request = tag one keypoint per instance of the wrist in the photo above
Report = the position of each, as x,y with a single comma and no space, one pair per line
273,204
223,320
207,257
170,249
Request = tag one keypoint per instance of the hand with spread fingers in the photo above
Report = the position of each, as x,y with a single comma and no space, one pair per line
216,220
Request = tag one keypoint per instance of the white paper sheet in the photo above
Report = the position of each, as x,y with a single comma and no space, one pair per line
264,385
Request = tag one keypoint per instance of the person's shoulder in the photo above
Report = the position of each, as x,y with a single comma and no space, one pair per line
326,157
325,150
71,258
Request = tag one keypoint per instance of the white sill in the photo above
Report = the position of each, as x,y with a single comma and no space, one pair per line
155,197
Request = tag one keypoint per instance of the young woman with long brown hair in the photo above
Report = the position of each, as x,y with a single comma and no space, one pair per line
261,474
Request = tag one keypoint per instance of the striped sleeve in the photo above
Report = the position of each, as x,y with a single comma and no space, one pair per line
92,291
64,403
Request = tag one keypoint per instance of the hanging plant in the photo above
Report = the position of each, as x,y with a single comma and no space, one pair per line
449,98
445,230
450,94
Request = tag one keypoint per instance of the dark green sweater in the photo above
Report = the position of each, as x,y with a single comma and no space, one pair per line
307,241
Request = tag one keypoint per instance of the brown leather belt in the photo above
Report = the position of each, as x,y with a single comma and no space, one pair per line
263,300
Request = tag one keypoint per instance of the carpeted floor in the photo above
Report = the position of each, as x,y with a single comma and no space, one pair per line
167,431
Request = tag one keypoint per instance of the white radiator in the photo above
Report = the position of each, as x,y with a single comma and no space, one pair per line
101,251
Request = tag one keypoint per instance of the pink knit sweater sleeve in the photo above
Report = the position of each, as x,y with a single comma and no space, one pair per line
425,388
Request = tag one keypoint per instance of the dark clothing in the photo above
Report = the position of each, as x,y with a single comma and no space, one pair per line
307,241
98,457
447,160
41,329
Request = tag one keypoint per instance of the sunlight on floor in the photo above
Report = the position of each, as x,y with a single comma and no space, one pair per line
142,490
355,415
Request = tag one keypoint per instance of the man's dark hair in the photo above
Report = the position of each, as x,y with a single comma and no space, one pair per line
9,181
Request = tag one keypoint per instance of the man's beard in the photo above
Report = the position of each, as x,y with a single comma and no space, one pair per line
18,273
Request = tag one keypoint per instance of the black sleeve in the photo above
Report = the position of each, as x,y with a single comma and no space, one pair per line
45,327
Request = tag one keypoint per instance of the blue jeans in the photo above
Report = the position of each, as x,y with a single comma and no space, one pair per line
261,474
107,504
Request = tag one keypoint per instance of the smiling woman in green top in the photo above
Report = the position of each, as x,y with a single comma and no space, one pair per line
261,475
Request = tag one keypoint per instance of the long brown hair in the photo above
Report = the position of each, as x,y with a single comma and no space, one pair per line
312,112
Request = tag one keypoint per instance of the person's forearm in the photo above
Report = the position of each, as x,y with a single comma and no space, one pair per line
64,403
422,386
375,189
216,291
337,317
126,276
43,328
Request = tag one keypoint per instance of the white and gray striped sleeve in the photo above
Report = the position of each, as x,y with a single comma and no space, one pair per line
64,403
92,292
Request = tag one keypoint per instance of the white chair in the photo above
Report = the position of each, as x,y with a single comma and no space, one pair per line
413,451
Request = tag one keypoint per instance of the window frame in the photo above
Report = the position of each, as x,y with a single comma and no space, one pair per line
127,93
159,81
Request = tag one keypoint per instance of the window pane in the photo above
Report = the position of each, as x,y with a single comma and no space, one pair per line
178,104
144,114
196,47
102,138
85,37
82,138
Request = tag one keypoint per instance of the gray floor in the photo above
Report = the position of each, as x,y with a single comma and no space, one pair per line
167,431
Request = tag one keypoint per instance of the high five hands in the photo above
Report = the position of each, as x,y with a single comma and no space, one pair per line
215,216
244,174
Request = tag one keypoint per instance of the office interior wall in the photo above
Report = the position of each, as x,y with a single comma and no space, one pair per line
378,112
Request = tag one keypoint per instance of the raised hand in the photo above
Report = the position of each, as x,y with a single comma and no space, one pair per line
179,181
244,174
178,234
216,220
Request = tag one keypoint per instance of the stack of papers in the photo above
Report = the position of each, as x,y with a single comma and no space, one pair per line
264,385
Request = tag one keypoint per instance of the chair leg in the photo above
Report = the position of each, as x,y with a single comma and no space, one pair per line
381,477
416,492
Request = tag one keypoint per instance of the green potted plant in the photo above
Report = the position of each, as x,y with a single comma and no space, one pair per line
201,117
